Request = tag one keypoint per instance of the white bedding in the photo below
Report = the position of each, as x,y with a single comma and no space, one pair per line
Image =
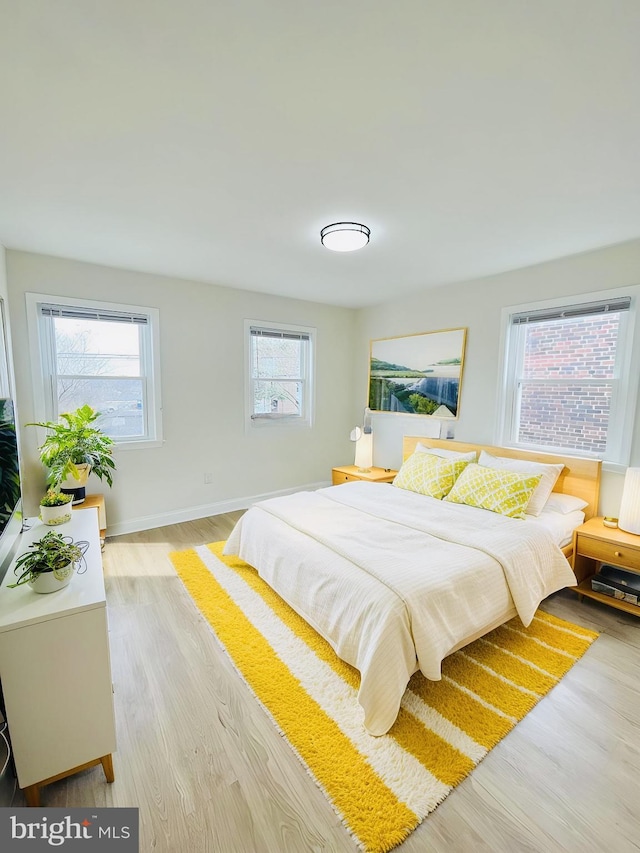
396,581
559,526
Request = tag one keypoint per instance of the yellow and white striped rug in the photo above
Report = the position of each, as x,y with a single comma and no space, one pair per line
383,787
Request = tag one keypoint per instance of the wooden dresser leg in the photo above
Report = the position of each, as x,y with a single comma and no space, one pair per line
107,766
32,795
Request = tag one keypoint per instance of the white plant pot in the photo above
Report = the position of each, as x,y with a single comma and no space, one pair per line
76,487
53,581
72,483
53,515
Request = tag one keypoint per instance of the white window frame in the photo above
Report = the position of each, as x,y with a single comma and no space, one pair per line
5,381
625,383
41,346
269,421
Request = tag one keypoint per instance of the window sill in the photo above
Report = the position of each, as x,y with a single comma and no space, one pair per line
614,467
277,423
143,444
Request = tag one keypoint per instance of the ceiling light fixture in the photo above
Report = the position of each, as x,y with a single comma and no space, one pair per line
345,236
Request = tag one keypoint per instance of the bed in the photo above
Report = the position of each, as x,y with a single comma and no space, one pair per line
395,581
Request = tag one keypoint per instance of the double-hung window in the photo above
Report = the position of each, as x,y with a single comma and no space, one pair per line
571,377
102,354
280,374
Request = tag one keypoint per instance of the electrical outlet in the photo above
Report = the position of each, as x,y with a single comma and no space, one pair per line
208,479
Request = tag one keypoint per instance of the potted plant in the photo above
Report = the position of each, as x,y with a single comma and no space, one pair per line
49,563
74,448
55,507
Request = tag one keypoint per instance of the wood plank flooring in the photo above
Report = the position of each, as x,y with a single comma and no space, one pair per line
211,774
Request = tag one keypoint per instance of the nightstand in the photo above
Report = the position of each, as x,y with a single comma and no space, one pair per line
96,502
347,473
593,543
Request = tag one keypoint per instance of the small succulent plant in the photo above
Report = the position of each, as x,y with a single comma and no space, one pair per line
54,498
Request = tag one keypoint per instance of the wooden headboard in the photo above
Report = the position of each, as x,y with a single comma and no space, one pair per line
580,477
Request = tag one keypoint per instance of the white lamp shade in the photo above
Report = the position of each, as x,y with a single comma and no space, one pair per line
364,452
629,518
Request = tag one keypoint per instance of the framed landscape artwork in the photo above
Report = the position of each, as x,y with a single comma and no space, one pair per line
418,374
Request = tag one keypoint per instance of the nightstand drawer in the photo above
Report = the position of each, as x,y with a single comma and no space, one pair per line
608,552
340,477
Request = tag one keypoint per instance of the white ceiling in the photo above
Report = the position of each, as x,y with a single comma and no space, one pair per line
212,140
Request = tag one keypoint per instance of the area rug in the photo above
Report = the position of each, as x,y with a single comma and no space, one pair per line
381,787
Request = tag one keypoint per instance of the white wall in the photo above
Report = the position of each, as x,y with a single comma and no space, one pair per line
202,363
202,378
477,305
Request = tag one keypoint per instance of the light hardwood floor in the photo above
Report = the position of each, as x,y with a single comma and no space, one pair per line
210,773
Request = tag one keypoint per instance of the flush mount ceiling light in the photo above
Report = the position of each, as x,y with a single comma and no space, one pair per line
345,236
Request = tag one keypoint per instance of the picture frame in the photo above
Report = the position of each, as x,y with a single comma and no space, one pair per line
419,374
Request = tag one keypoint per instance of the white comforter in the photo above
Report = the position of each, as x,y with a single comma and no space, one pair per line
396,581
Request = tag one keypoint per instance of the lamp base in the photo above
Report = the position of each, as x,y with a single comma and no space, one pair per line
364,470
630,528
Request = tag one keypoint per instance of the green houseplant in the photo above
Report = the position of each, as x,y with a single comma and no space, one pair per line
49,563
55,507
75,447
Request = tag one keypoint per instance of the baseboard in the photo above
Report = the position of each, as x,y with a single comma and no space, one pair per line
147,522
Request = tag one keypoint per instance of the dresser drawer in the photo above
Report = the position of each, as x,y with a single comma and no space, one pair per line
608,552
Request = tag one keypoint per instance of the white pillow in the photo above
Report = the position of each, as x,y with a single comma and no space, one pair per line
446,454
550,474
563,503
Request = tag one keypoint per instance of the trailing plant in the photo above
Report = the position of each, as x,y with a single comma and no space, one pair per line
54,498
74,441
52,553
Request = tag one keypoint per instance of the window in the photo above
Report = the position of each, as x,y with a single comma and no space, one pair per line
569,382
280,373
101,354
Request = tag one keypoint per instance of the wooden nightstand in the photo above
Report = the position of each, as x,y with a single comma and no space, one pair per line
347,473
96,502
593,543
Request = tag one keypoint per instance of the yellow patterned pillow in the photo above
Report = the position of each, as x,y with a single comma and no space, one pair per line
505,492
429,475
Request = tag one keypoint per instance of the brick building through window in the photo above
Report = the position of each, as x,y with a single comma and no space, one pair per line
564,367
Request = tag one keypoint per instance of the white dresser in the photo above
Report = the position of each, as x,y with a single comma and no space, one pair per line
55,669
